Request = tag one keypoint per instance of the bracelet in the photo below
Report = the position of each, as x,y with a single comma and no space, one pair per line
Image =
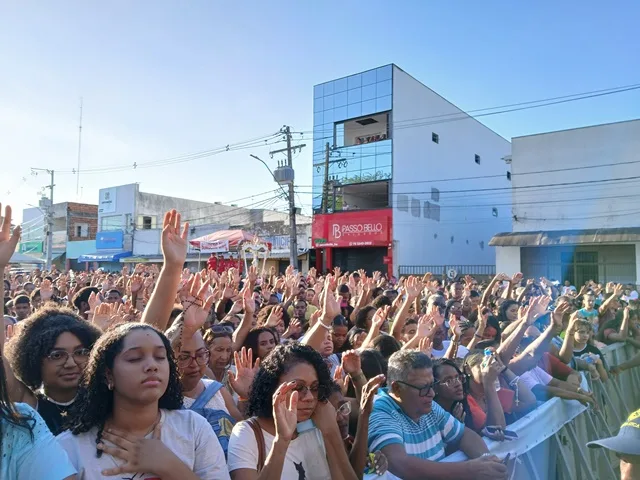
358,375
241,399
477,336
325,326
504,370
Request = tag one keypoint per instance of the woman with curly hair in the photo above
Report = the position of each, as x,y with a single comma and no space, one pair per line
129,418
295,430
27,448
48,355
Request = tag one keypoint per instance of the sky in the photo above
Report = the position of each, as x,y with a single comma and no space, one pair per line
162,80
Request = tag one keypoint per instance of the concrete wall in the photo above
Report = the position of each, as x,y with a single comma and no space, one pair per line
588,153
466,222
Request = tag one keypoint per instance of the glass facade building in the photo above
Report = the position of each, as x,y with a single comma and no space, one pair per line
353,115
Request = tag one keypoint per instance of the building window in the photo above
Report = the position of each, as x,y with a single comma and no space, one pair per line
435,194
113,222
435,138
82,230
478,159
146,222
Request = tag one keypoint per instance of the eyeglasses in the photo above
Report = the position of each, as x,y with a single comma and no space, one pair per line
303,389
422,391
452,381
344,409
221,329
80,356
201,357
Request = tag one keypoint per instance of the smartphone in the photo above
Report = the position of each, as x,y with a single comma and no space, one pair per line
510,435
506,459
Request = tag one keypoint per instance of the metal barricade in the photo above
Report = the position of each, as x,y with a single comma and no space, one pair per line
552,439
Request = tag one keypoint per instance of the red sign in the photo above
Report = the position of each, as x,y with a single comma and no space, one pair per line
352,229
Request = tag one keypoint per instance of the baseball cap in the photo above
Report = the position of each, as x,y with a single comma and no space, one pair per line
627,441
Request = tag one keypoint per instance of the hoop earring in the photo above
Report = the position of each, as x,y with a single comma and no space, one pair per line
110,386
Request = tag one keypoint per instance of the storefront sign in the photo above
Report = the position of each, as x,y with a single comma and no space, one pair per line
111,240
352,229
31,247
107,203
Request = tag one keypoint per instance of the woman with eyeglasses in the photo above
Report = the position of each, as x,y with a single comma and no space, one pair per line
129,417
450,388
27,448
48,354
294,433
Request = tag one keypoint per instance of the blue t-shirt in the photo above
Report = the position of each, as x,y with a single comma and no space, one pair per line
39,459
425,439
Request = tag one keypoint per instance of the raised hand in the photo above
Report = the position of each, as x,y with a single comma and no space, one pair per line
248,303
246,371
196,306
380,317
293,330
173,242
46,290
558,314
517,278
369,392
341,379
274,316
425,345
413,287
8,240
285,410
351,362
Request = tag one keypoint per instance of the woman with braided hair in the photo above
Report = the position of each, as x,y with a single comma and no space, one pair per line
128,420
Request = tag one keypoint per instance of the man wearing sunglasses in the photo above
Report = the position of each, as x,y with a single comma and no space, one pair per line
412,430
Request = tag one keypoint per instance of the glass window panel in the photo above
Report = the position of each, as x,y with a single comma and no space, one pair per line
384,73
369,77
340,85
318,118
369,107
317,130
328,115
328,89
340,113
328,102
328,132
318,144
383,103
339,135
369,92
383,160
383,88
354,81
354,110
383,147
353,165
340,99
318,91
368,162
318,105
354,96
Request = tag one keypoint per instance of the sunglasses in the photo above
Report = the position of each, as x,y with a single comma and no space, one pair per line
221,329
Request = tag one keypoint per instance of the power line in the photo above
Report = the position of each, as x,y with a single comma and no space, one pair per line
264,140
417,122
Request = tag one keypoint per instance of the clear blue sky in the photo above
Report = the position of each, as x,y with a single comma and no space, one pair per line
161,80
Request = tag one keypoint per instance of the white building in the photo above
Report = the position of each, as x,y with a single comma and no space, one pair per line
130,224
406,177
576,212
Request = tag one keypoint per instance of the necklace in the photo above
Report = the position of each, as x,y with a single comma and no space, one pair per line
59,405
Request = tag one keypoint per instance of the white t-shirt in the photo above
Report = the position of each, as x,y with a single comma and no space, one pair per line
306,455
216,402
188,435
535,376
462,350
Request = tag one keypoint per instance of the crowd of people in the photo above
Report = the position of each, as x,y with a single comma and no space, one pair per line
166,373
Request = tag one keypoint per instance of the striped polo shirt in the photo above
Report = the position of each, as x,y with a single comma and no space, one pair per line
425,439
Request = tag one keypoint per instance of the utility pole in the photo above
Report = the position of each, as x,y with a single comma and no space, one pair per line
49,215
286,175
325,186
